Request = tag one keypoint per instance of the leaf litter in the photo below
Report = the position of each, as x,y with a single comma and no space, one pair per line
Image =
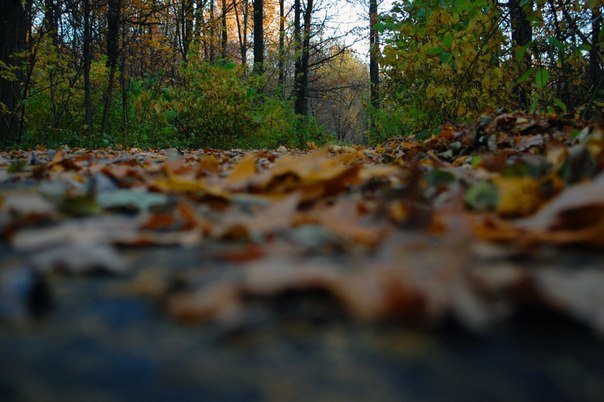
413,231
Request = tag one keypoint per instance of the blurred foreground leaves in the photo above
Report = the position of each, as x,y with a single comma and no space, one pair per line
418,231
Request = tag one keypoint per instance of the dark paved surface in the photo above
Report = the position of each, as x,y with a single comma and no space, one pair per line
101,342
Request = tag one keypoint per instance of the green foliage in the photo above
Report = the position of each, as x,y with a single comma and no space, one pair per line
451,60
209,105
276,124
55,105
440,64
386,122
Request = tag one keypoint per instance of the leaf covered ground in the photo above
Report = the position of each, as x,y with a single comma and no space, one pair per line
474,226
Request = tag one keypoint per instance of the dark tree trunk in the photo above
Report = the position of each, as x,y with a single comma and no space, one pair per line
51,20
188,18
595,54
258,36
297,42
13,34
199,22
87,62
224,33
212,33
522,35
301,102
282,47
242,28
374,51
113,34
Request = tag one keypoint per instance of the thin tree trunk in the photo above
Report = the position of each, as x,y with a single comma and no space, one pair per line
301,104
51,18
522,35
113,35
212,33
124,84
224,35
246,24
374,50
199,23
27,81
87,63
297,51
594,71
240,34
258,36
282,47
188,28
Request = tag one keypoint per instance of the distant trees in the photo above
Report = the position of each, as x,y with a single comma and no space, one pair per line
105,69
450,61
95,70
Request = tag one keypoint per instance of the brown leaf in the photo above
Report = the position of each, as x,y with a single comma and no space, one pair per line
277,217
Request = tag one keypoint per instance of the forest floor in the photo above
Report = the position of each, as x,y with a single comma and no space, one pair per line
465,267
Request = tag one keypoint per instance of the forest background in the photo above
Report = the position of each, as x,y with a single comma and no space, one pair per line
264,73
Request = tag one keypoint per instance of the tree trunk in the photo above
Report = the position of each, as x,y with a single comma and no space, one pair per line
113,34
246,24
297,51
13,33
224,33
242,29
301,104
282,47
188,26
199,23
212,33
258,36
87,62
51,20
374,51
522,35
595,54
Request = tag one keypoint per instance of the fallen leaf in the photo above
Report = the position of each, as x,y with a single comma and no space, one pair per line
129,198
243,171
517,196
28,205
80,258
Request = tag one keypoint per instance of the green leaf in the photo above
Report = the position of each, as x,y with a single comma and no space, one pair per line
435,177
560,104
481,196
541,78
446,57
80,205
555,42
526,75
17,166
435,51
520,52
448,40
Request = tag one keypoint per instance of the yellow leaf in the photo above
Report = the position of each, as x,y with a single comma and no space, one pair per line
243,170
179,185
157,107
518,196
